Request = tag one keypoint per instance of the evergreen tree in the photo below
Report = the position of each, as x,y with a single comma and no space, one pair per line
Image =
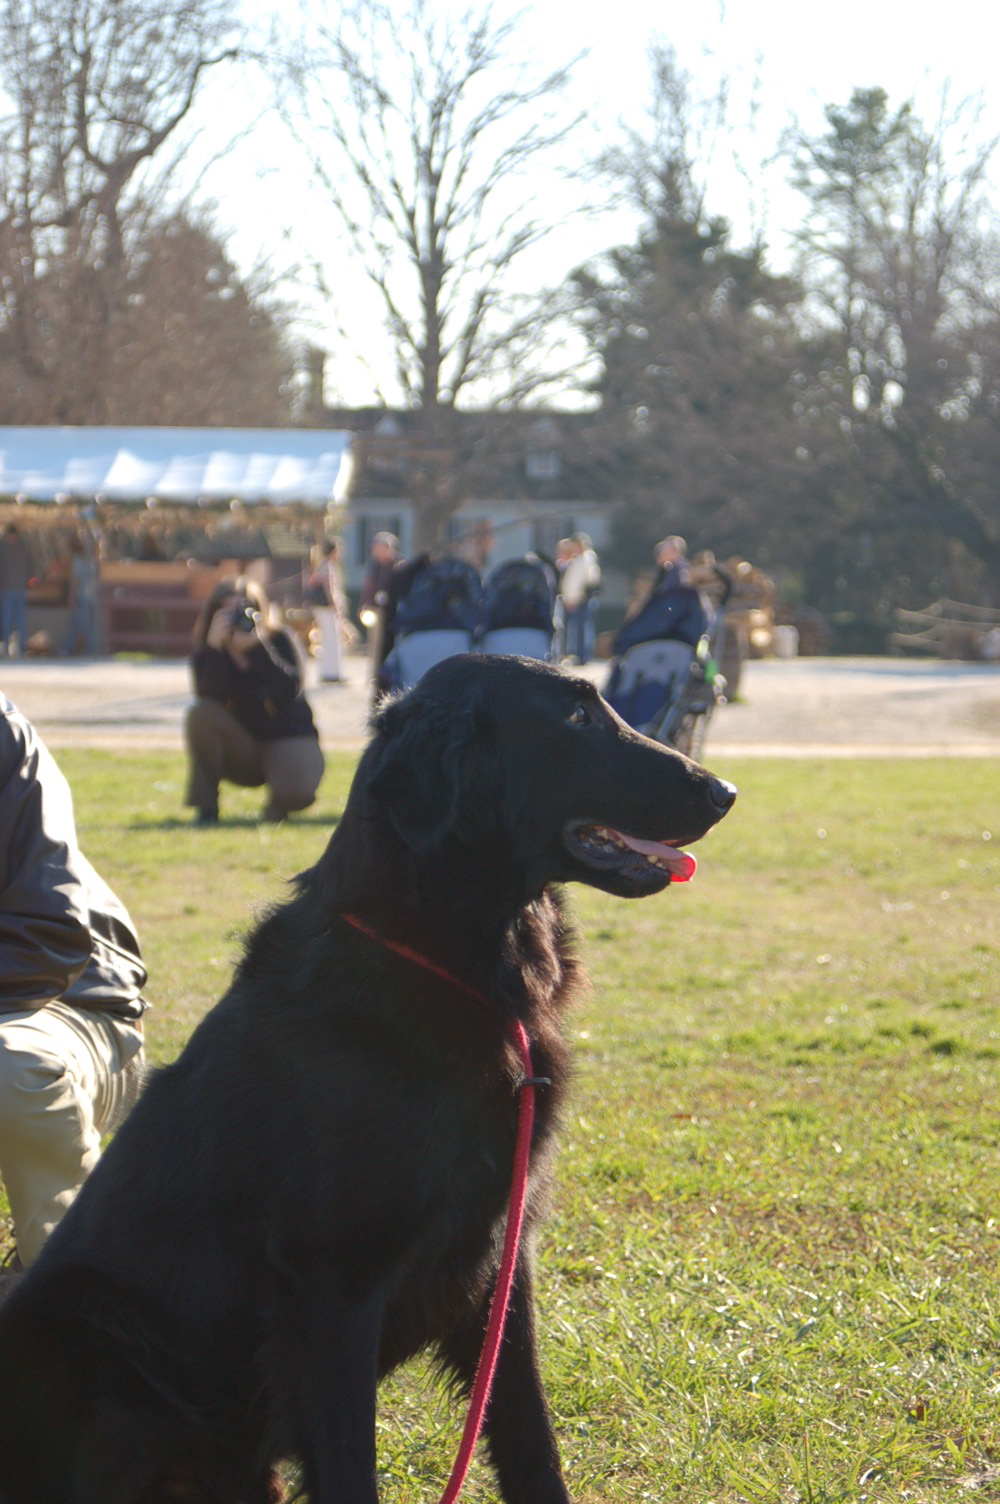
697,350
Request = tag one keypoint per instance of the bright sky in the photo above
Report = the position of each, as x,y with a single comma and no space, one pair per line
788,57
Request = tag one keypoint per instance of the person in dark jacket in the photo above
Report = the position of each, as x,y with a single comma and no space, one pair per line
251,723
384,556
71,1005
673,610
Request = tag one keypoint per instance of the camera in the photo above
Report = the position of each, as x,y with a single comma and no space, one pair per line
243,617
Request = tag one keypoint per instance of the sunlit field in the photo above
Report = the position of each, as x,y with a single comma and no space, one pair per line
771,1269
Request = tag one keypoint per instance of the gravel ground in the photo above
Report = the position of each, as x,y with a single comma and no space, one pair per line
799,707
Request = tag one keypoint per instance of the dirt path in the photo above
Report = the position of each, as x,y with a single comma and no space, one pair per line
802,707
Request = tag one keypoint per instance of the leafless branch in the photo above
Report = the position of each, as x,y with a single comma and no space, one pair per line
429,178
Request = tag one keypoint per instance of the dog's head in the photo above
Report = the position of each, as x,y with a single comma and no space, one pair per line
530,769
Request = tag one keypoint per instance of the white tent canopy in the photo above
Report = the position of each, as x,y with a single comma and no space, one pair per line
279,466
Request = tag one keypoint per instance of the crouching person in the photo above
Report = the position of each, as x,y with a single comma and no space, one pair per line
71,1007
251,723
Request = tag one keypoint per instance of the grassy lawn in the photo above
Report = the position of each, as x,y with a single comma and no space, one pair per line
771,1271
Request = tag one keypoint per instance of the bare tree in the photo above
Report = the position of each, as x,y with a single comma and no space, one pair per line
90,92
683,132
894,208
900,247
423,132
695,345
200,345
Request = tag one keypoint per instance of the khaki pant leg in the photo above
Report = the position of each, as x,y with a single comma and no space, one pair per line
66,1077
294,766
218,748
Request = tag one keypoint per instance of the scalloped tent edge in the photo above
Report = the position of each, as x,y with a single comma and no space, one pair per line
190,466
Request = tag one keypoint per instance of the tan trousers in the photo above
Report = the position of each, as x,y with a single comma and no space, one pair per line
67,1076
219,748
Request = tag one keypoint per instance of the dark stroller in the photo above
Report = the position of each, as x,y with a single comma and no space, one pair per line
518,606
668,685
437,618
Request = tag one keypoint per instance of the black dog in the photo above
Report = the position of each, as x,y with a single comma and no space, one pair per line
316,1189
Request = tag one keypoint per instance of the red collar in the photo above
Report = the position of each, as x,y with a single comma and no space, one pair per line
515,1028
412,955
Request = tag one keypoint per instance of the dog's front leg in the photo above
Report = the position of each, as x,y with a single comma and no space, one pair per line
518,1426
326,1341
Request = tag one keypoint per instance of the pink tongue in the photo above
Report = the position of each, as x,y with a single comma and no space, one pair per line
681,864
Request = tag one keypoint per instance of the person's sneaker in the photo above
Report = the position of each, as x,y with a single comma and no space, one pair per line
206,816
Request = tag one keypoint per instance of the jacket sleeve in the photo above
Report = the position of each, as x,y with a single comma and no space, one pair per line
213,674
44,917
277,666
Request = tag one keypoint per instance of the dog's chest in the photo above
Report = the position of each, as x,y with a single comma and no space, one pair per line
446,1267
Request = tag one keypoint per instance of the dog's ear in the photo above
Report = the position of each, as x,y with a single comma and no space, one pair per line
425,776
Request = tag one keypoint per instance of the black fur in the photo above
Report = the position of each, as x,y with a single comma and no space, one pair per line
316,1189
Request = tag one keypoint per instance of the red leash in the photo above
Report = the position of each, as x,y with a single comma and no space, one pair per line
515,1215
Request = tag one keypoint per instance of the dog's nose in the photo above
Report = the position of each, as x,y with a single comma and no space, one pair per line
722,794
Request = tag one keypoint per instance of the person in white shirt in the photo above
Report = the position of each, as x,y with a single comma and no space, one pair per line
325,593
578,587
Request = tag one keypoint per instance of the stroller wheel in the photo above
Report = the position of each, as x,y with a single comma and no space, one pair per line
689,733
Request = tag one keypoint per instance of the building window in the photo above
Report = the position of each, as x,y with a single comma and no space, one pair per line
541,465
542,460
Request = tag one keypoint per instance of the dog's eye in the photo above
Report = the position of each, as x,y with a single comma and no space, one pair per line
581,716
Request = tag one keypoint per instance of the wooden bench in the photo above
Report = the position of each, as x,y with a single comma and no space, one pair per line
946,629
152,607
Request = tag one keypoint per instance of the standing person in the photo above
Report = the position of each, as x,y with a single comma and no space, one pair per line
374,595
565,550
477,545
251,723
579,584
382,559
325,593
81,633
71,1005
15,572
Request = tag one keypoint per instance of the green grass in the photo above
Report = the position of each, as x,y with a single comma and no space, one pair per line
771,1269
